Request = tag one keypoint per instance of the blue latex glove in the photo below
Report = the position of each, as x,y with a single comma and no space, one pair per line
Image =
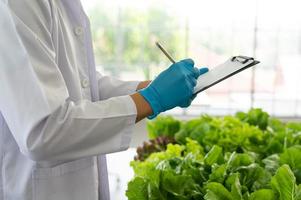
173,87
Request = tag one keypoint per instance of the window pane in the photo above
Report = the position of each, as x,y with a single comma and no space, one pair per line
210,32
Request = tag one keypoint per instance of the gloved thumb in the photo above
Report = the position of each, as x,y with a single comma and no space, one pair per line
203,70
198,72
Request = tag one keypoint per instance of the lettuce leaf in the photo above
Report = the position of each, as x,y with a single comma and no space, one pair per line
141,189
292,157
284,183
263,194
216,191
214,155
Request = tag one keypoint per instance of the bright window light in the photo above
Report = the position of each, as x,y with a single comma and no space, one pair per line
210,32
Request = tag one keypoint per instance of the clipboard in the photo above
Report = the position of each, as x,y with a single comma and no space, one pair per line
221,72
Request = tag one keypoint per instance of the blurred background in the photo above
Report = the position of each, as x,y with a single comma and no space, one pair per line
124,33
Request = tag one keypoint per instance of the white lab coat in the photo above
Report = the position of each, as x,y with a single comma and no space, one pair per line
57,115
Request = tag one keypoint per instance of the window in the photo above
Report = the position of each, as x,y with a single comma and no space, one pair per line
124,34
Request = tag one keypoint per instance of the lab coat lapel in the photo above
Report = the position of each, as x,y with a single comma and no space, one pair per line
102,162
77,13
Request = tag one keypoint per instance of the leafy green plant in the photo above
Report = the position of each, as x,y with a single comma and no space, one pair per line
154,145
243,157
163,126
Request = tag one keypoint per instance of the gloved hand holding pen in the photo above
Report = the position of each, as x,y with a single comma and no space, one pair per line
173,87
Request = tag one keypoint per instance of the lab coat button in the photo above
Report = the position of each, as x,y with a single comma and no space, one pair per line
85,83
78,30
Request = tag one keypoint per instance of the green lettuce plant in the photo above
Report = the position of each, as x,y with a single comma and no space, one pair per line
243,157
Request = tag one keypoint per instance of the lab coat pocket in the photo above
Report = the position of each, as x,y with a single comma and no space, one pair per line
76,180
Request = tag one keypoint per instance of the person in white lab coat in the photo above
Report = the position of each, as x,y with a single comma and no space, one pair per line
58,116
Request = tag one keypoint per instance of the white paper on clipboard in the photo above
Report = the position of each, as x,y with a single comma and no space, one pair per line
232,66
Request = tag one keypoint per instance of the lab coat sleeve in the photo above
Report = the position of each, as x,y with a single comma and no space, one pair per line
35,103
111,87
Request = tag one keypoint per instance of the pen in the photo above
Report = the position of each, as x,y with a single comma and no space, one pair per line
165,52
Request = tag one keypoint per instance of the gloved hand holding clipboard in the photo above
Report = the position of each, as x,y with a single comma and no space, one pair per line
221,72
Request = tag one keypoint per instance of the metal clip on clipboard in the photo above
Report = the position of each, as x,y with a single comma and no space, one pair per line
241,59
231,67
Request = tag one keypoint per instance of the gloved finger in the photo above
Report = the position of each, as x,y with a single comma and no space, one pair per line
203,70
186,103
196,72
190,81
193,97
188,63
190,97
